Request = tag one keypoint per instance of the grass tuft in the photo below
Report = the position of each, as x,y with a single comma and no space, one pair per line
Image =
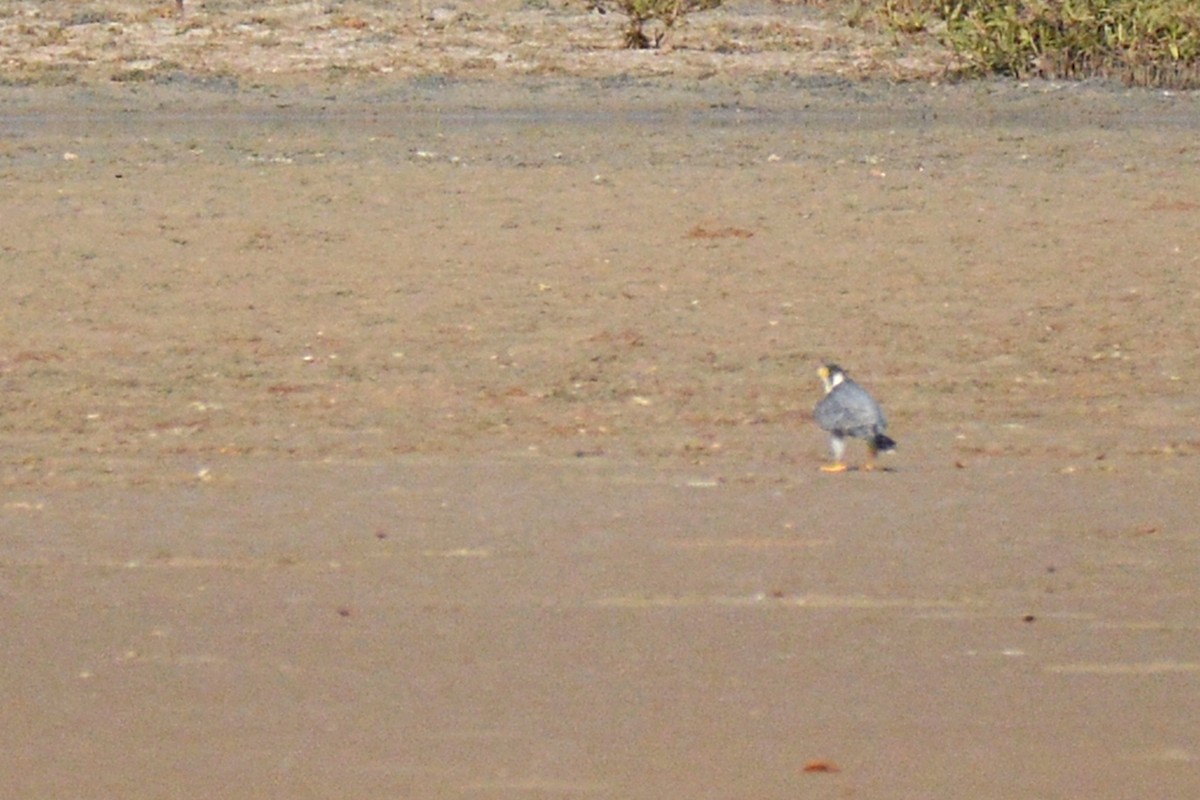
1142,42
640,13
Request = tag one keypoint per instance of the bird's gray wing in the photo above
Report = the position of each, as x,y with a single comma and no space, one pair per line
849,408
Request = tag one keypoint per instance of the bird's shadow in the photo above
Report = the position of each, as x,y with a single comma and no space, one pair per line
863,469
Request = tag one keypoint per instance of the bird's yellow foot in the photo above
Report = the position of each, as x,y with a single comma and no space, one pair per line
835,467
869,466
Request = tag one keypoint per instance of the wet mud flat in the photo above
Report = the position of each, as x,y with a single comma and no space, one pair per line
452,439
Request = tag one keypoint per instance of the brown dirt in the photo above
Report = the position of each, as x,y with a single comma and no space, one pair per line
421,436
64,42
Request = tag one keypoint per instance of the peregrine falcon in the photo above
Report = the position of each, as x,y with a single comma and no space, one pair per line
848,410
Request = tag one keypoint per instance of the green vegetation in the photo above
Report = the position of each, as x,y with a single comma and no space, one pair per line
1143,42
641,12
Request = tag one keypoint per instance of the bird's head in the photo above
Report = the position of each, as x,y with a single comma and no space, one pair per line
831,375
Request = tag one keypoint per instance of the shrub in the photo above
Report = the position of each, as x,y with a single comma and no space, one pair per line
641,12
1144,42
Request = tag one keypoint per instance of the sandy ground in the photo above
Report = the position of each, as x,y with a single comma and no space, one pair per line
428,436
64,41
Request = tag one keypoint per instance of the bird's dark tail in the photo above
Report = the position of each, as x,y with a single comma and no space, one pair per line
883,443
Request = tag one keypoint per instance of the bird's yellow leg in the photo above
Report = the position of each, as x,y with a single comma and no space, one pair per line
837,466
870,463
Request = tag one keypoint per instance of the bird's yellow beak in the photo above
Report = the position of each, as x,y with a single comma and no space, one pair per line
823,372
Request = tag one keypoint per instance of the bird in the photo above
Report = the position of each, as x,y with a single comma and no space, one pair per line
848,410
